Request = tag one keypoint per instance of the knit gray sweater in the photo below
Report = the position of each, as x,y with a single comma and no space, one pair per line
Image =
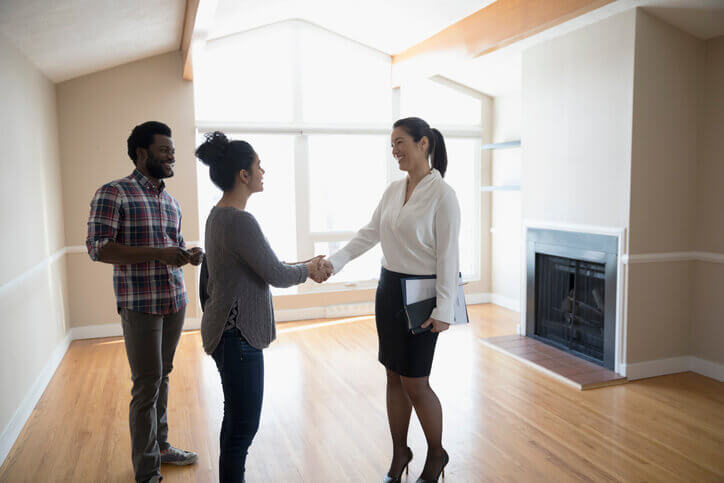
241,267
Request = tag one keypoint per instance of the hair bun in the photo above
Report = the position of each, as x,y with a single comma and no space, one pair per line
213,149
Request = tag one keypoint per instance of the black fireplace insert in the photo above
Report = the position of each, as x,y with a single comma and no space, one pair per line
572,292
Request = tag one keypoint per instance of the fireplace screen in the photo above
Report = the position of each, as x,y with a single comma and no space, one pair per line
570,304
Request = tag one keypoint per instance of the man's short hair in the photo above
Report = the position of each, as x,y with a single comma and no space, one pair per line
142,136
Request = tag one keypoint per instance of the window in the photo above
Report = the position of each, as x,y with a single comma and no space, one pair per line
345,167
246,77
463,174
342,81
363,269
318,108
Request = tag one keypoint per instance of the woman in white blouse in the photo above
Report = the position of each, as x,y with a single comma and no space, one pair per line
417,223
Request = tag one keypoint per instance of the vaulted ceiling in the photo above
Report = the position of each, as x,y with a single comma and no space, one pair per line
69,38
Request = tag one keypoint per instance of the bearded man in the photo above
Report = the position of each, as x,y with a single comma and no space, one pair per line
135,224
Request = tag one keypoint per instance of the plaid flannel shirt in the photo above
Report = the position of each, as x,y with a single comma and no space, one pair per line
132,211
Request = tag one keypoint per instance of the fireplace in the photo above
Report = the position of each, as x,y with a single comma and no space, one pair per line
571,282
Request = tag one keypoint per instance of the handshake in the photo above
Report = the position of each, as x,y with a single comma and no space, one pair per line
319,268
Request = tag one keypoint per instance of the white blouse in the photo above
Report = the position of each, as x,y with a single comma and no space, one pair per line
419,237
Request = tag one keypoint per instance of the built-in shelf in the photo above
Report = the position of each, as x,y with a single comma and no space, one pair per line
512,187
505,145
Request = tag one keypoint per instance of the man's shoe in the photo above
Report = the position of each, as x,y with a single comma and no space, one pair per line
179,457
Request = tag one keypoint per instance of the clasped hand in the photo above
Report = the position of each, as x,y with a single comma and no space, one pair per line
319,268
177,256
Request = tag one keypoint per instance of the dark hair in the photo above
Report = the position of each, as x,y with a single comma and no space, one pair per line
417,128
142,136
224,158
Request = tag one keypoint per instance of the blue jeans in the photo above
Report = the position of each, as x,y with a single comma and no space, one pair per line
241,367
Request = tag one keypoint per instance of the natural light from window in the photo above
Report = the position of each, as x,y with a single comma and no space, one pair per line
318,110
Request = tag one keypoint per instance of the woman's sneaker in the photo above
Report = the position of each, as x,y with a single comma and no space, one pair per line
179,457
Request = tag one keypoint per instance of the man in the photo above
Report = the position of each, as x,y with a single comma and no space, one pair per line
136,225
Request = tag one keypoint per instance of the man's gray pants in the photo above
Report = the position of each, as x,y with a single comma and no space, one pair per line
151,342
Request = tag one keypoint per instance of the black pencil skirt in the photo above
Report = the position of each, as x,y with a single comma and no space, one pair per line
400,351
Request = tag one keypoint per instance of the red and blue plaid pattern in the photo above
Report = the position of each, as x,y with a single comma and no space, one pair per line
132,211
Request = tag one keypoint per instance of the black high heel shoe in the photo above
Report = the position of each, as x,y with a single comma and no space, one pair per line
406,470
445,461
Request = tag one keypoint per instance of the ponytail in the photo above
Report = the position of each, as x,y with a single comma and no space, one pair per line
439,153
417,128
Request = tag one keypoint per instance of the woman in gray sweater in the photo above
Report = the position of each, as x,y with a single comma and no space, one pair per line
238,320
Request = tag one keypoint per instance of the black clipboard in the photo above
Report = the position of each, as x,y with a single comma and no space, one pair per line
417,313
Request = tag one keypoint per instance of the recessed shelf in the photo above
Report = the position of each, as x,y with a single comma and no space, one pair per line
504,145
512,187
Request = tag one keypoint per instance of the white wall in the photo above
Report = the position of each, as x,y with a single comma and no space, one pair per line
506,205
33,307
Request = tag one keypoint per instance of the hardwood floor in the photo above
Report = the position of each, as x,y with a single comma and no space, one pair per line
324,415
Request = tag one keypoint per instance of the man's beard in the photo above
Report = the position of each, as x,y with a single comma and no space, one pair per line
155,169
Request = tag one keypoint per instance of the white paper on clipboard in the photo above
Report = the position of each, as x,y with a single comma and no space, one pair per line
418,289
424,288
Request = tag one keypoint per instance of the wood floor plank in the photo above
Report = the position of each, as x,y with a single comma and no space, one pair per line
324,416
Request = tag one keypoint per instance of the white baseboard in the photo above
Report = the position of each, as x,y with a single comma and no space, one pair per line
192,324
661,367
707,368
97,331
477,298
325,312
658,367
506,302
22,413
288,315
114,329
349,310
492,298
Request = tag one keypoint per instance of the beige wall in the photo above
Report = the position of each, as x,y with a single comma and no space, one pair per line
707,327
576,102
506,205
707,311
663,181
659,311
96,113
710,169
663,152
577,93
622,128
32,296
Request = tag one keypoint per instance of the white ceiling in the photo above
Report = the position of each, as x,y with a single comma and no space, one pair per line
388,26
70,38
